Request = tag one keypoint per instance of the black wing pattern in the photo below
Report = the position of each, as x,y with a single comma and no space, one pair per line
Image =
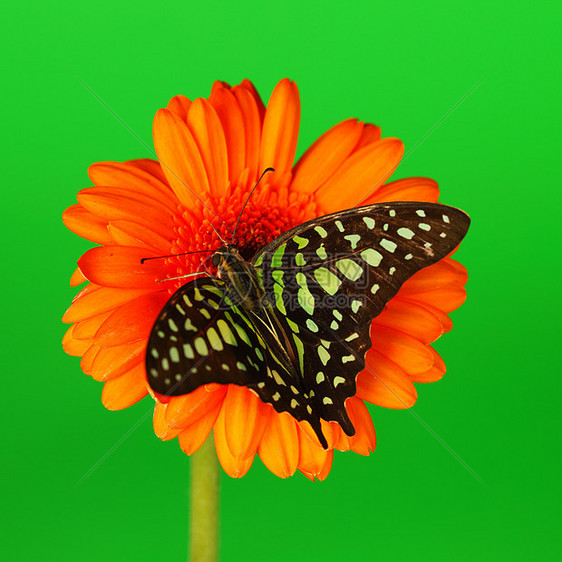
328,278
201,336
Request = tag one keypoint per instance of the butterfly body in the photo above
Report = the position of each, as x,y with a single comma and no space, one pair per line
293,325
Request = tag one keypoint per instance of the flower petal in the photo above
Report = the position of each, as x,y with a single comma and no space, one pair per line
180,157
86,224
255,94
88,359
113,203
326,155
235,467
280,128
195,435
206,128
73,346
112,362
404,350
364,441
230,115
446,298
131,321
312,457
126,390
184,410
279,447
244,421
408,189
446,322
121,267
130,176
94,300
180,106
410,318
429,278
384,383
371,133
362,173
252,130
128,233
435,373
86,329
161,429
77,278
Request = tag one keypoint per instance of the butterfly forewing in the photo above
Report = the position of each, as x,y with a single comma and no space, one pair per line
328,278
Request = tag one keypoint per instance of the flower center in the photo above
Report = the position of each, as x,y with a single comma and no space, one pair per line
268,214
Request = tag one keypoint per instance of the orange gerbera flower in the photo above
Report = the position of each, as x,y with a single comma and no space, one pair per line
210,153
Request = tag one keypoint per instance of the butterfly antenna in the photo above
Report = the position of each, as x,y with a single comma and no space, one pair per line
218,234
174,255
248,198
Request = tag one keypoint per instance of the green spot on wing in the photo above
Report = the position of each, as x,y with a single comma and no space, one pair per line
301,242
327,280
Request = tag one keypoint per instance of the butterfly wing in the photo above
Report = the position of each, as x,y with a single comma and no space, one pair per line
201,336
328,278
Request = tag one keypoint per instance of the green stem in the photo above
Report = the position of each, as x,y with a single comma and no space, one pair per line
204,504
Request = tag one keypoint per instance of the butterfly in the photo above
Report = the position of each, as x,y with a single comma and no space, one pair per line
293,324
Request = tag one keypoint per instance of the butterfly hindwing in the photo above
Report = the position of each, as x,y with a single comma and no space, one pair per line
201,336
328,278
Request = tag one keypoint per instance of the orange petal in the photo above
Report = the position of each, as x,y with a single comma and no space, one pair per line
77,278
180,157
206,128
185,410
244,421
281,128
446,298
112,362
73,346
446,322
132,321
341,441
161,429
364,441
408,189
86,329
113,203
384,383
94,300
86,224
360,174
180,106
126,390
412,319
435,373
230,115
88,359
252,129
462,273
191,438
371,133
326,155
433,277
236,467
404,350
121,267
279,447
134,177
128,233
312,457
151,167
252,89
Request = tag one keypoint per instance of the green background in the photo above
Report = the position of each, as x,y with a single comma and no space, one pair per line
472,472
